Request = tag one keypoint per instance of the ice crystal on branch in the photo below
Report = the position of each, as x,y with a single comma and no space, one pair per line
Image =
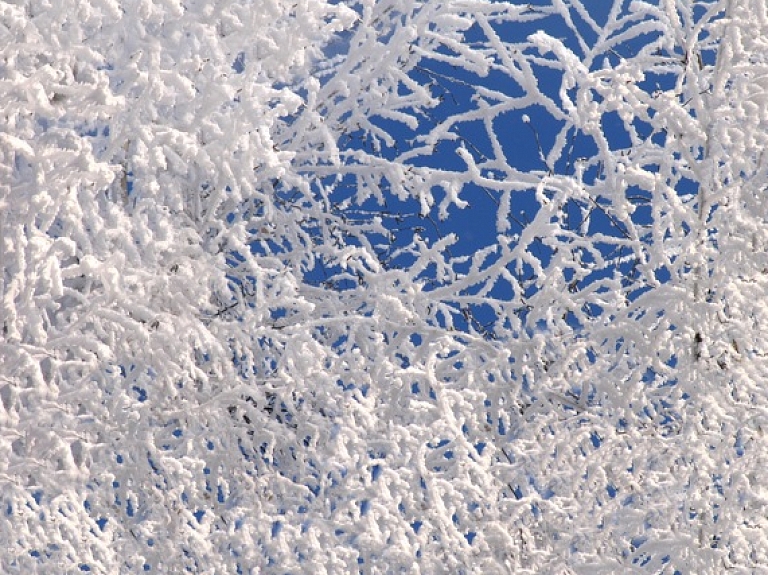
393,286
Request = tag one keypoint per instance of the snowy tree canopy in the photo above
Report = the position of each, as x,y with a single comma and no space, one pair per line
242,331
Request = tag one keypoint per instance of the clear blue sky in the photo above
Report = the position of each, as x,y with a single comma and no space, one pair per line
475,226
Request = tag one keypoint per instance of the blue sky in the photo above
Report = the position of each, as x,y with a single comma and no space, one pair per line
524,143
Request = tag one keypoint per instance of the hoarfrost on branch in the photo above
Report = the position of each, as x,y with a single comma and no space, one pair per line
226,347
